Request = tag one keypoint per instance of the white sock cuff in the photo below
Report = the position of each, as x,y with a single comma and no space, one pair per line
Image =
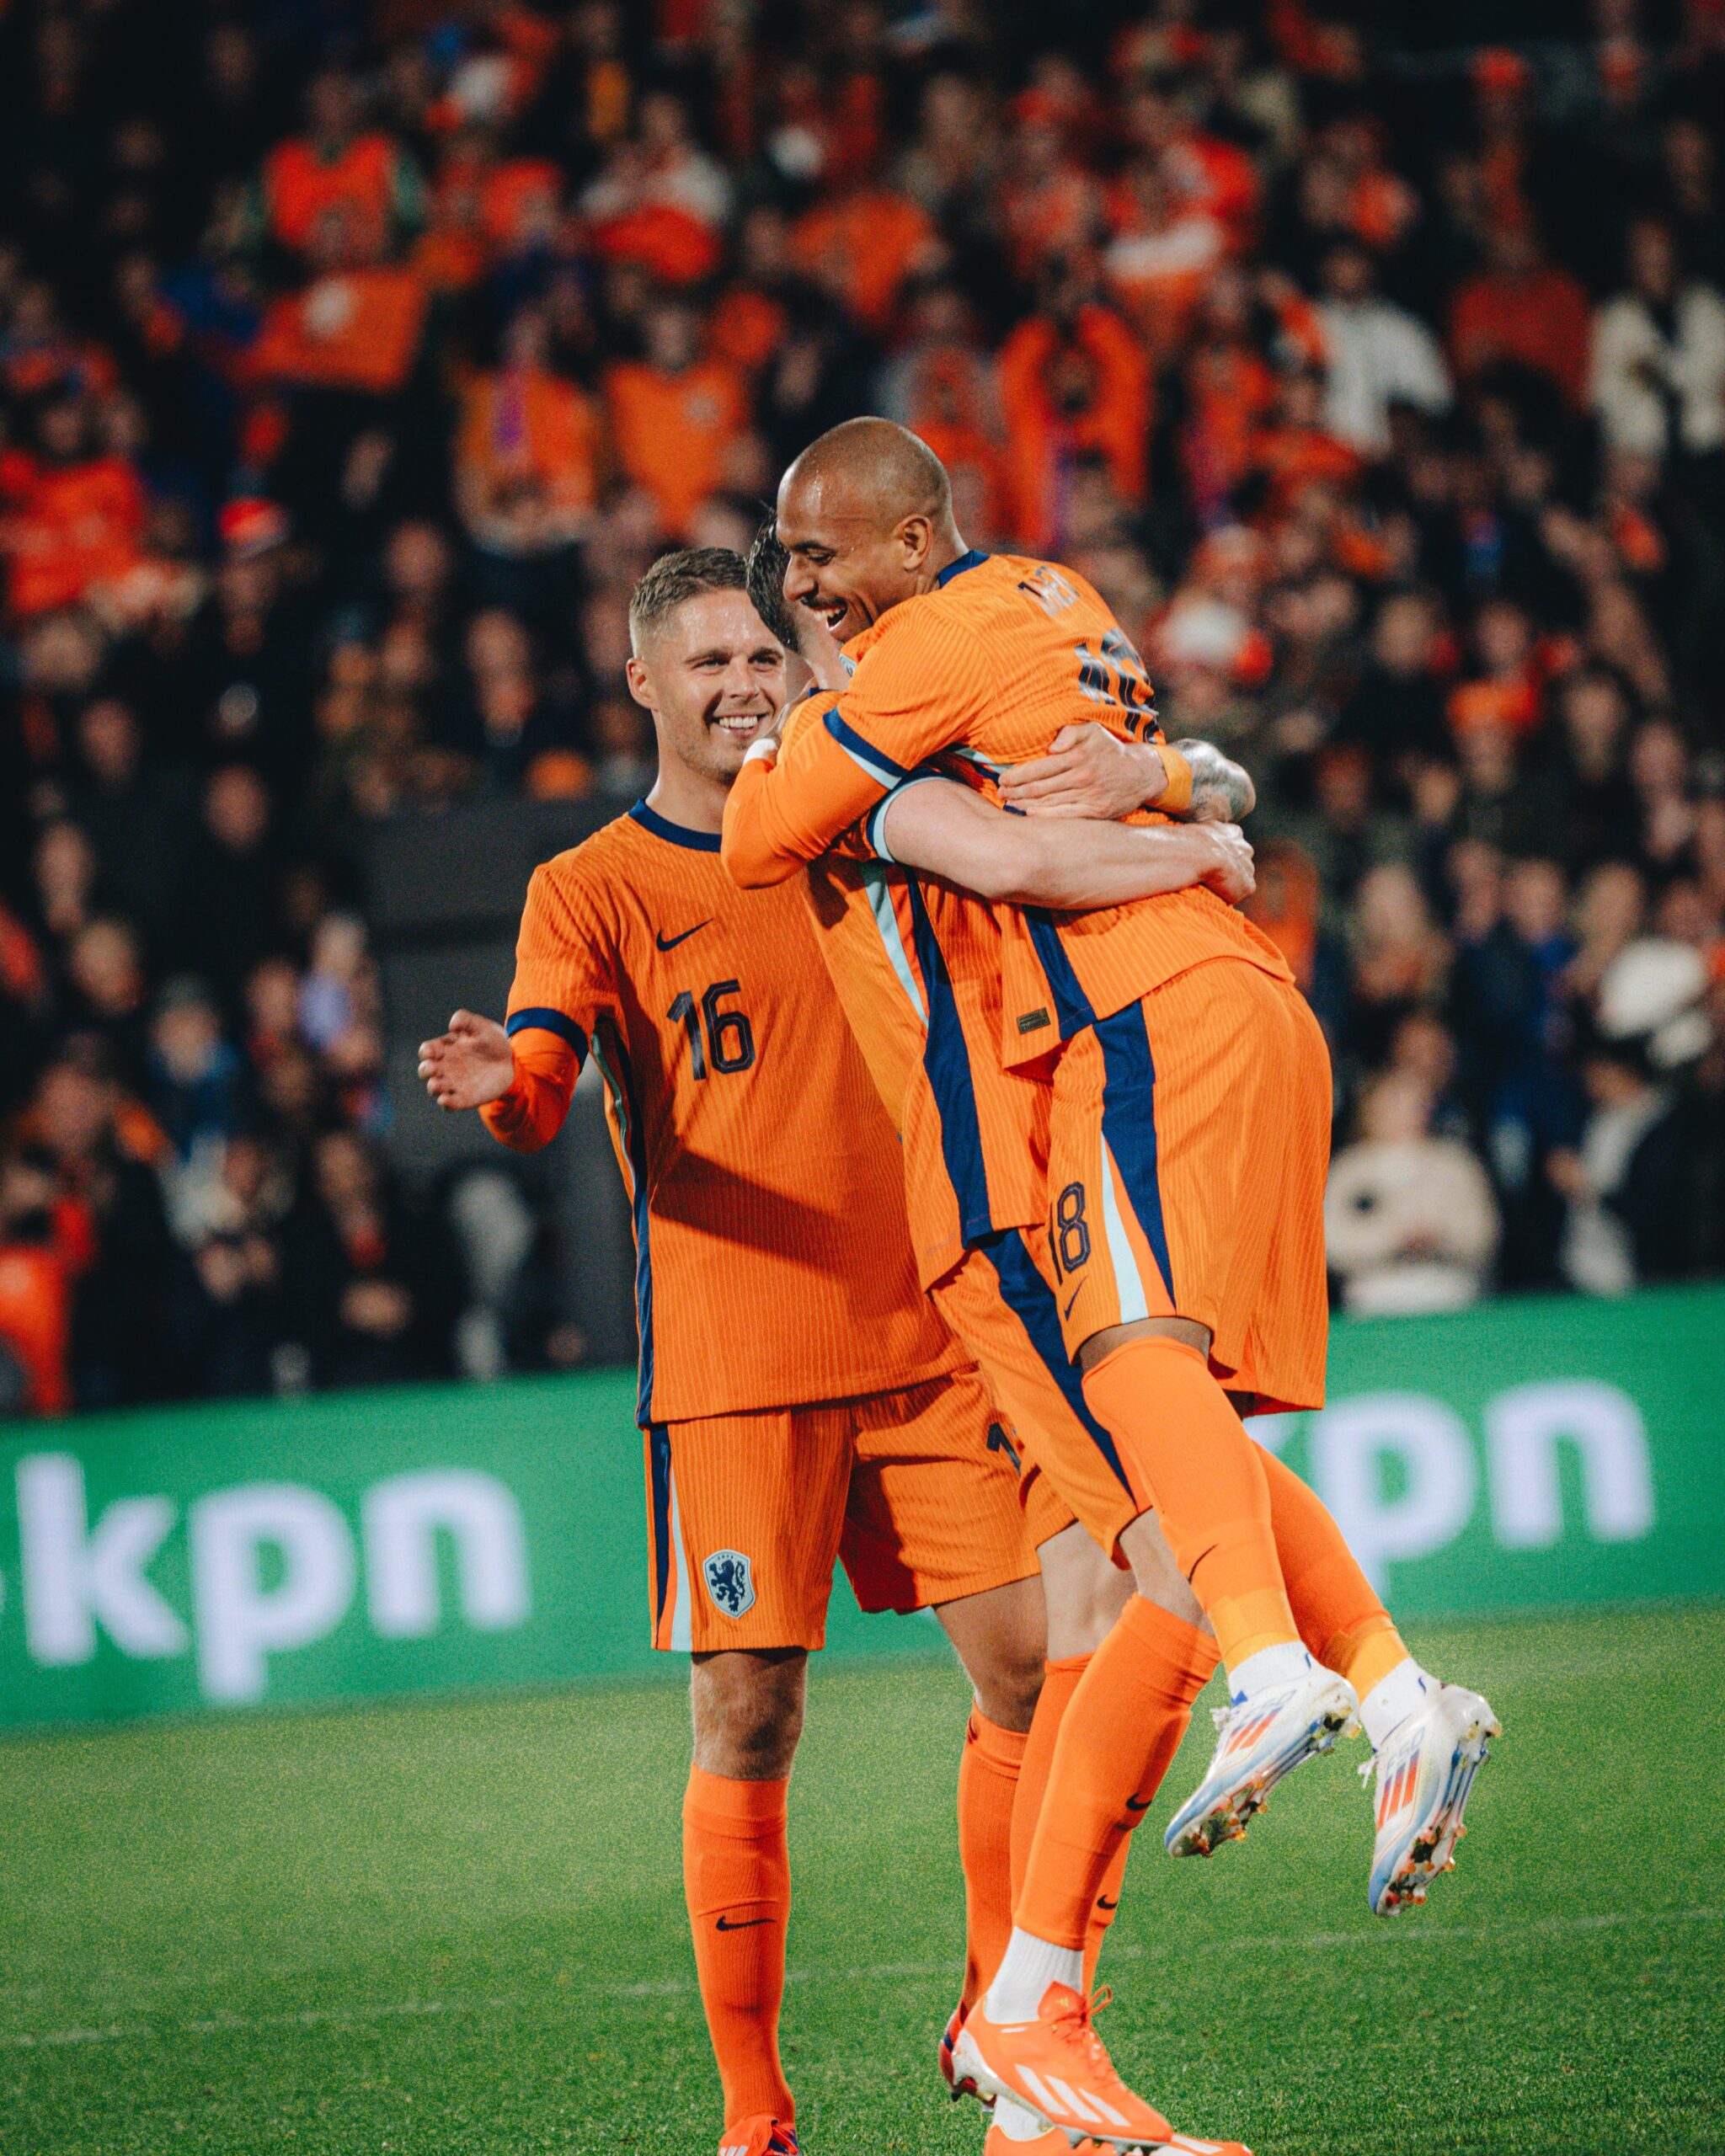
1285,1664
1029,1966
1393,1697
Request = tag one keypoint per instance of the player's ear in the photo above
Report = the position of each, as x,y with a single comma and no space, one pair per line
635,673
915,536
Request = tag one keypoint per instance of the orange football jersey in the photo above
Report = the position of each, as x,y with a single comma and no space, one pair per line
916,965
982,673
773,1263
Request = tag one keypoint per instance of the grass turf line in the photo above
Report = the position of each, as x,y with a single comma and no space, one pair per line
456,1930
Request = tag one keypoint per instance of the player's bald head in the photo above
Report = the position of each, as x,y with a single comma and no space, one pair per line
872,472
865,516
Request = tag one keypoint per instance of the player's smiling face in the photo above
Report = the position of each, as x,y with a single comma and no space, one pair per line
843,565
713,677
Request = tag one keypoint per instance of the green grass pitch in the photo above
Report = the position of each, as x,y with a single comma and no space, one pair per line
457,1931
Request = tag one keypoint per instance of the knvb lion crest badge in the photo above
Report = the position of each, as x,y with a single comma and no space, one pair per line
730,1581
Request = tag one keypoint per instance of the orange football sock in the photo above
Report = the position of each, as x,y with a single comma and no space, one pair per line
1174,1425
1339,1615
737,1878
1118,1737
1107,1904
1059,1683
989,1773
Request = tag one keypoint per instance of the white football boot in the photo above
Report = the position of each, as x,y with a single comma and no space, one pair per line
1261,1736
1425,1769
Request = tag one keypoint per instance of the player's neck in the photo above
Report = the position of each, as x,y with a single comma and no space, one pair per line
692,799
948,548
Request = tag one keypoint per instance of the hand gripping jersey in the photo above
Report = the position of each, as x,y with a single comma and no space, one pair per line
983,672
772,1264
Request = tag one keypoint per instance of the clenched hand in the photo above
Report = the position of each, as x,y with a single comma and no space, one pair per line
1233,877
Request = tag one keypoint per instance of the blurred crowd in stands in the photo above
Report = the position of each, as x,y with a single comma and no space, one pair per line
354,359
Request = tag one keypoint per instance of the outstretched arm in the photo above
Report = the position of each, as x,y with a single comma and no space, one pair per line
520,1077
946,829
520,1085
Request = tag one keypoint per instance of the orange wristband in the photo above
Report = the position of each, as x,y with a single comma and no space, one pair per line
1176,797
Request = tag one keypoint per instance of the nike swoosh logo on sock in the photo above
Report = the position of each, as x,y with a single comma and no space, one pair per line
1133,1804
749,1923
1103,1902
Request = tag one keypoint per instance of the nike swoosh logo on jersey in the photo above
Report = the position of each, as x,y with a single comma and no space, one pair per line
749,1923
1075,1294
670,942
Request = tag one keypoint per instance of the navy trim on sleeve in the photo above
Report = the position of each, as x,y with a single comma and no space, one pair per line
544,1021
879,766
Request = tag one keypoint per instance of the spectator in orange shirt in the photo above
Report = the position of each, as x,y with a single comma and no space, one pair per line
1049,203
78,521
487,208
1210,177
661,201
334,165
1163,252
1296,448
1507,691
38,1263
1075,383
863,247
1379,208
751,316
528,454
1522,309
674,414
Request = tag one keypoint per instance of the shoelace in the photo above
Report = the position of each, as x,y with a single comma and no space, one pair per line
1074,2025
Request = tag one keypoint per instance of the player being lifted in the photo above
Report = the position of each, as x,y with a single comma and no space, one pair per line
800,1402
1187,1137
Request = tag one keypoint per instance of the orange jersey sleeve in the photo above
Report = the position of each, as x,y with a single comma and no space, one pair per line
921,682
565,979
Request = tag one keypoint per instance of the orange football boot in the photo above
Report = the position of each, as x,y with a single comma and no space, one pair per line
1054,2142
1056,2067
759,2137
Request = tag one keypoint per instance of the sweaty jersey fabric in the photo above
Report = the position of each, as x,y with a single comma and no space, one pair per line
773,1268
982,673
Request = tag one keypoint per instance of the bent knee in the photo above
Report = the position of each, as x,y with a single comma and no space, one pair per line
1007,1690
